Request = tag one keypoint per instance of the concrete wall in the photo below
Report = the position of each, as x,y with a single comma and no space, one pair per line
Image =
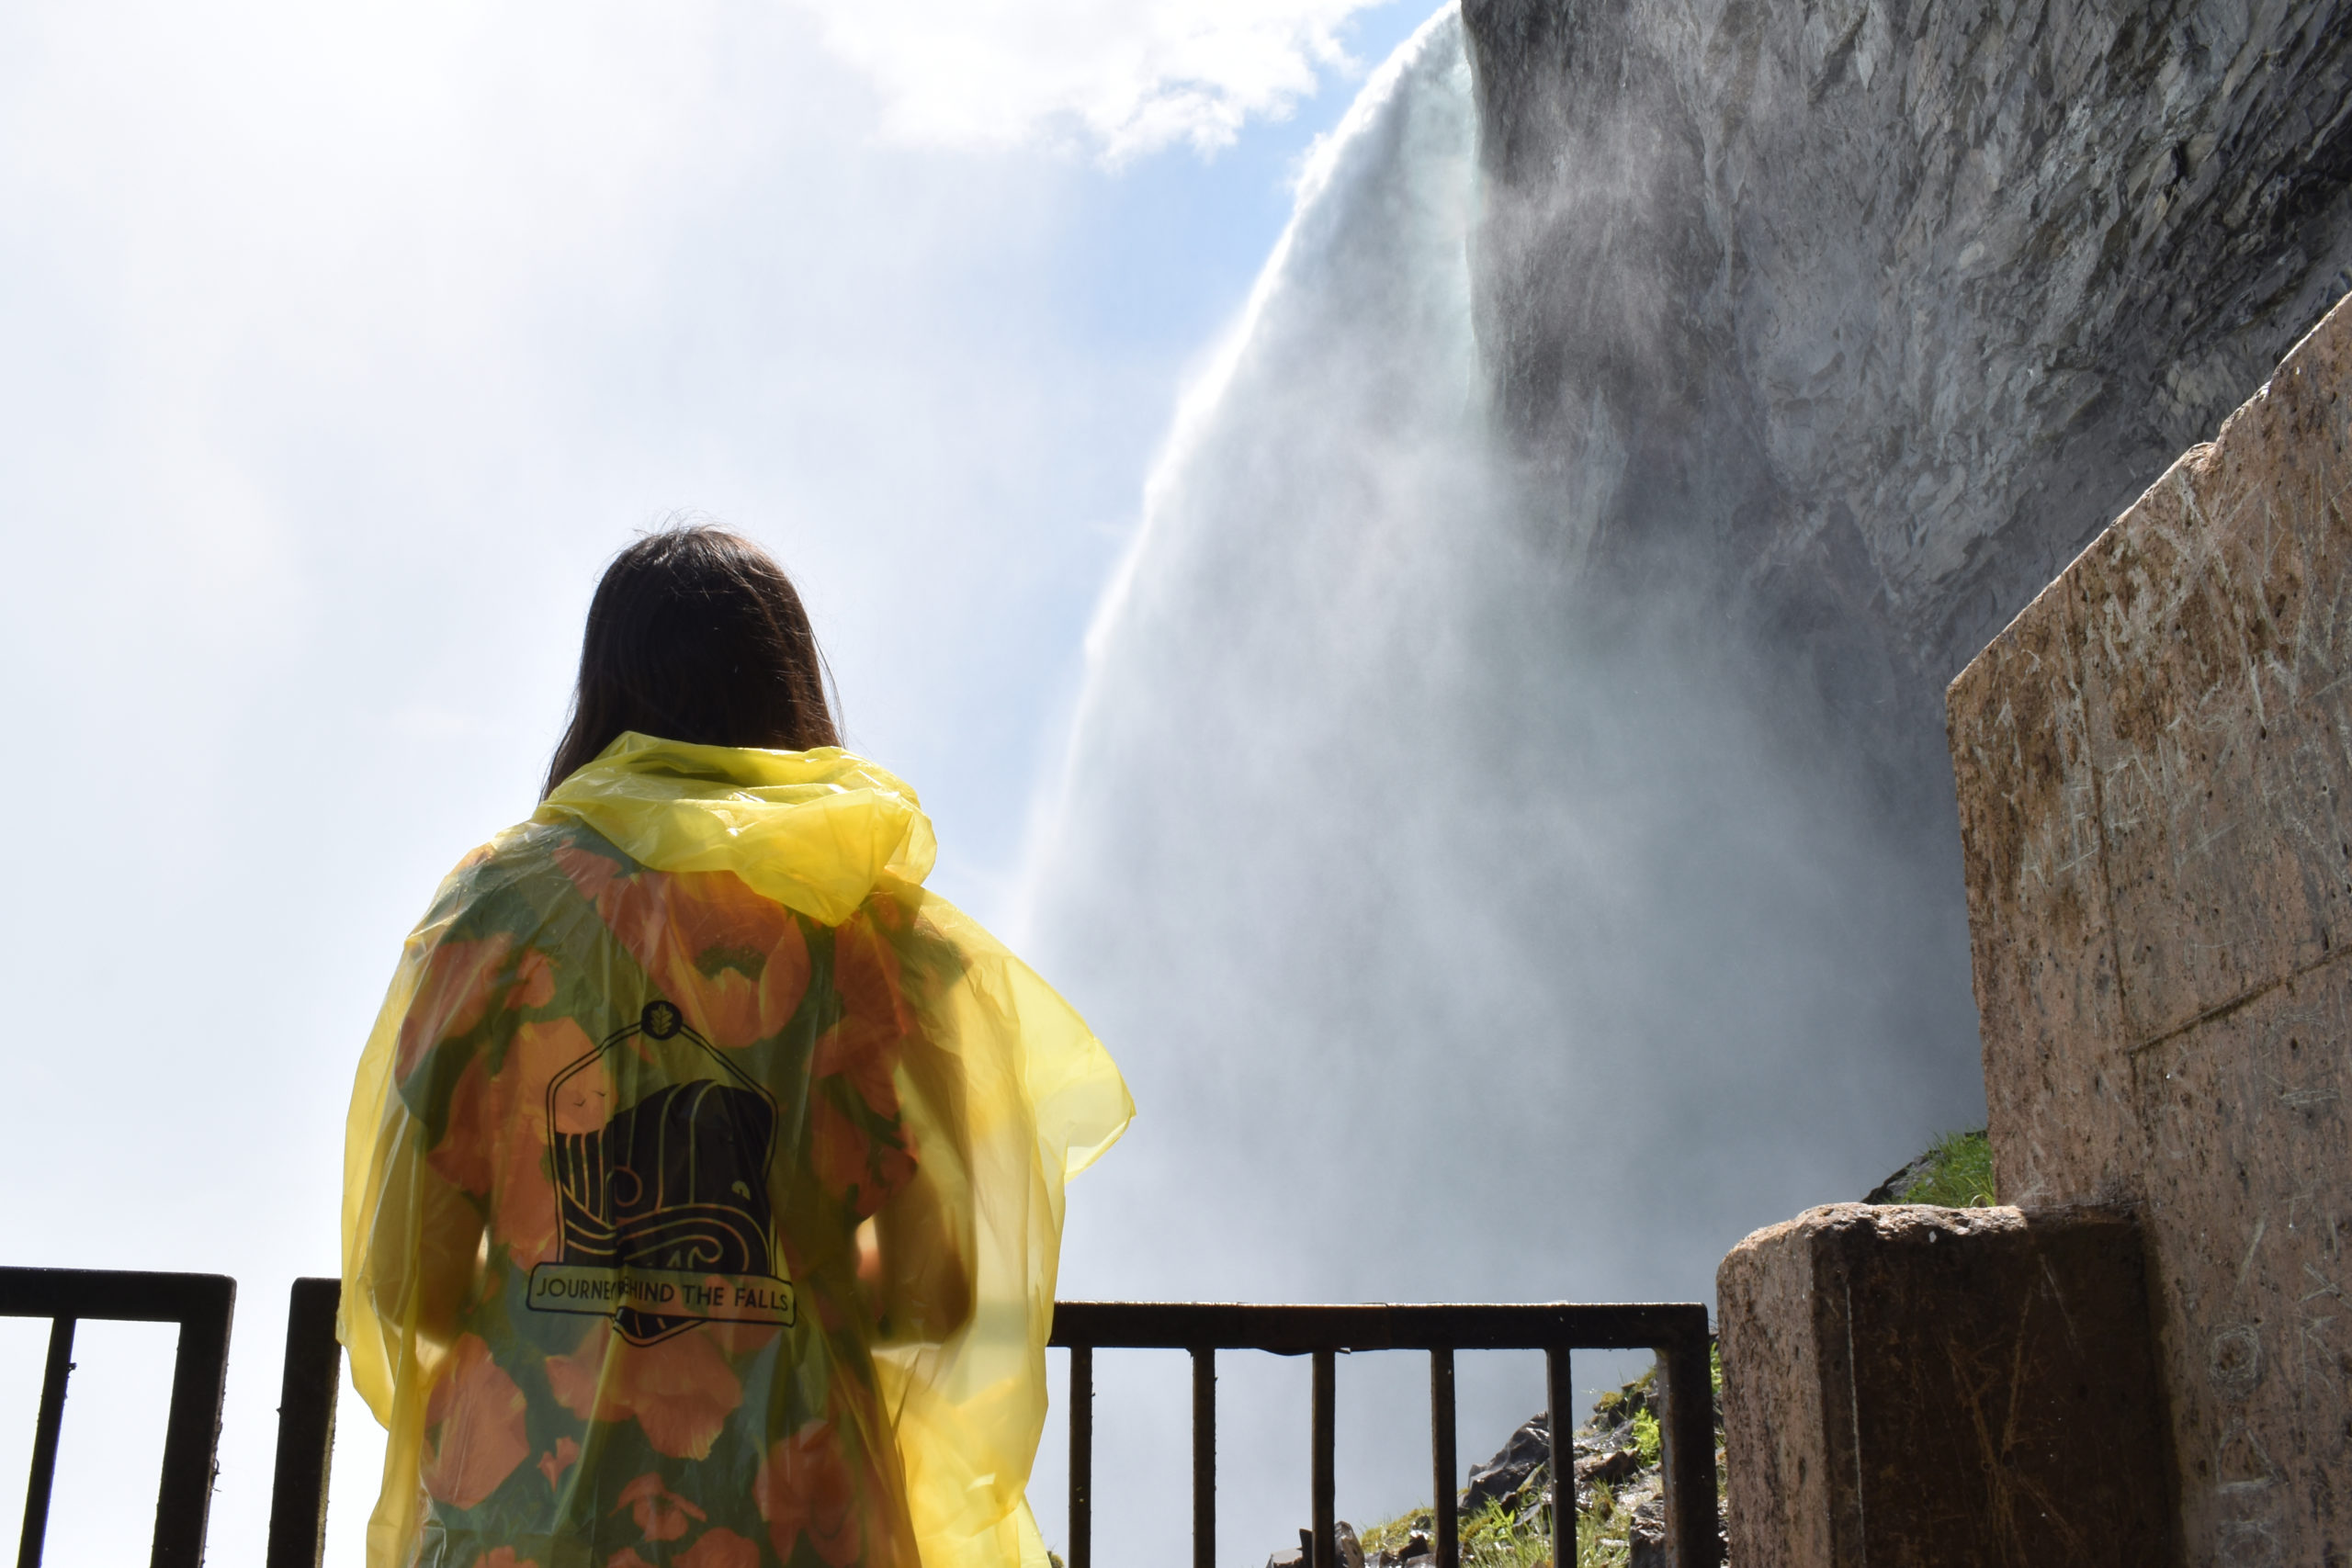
2154,765
1913,1387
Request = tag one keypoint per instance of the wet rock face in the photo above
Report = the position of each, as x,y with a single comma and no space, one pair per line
1527,1452
1871,315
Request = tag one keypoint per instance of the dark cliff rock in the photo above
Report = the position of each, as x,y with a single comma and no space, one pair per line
1868,316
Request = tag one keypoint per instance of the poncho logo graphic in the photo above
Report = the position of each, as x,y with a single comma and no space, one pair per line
661,1204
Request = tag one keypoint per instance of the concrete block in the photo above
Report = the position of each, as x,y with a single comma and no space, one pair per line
2154,764
2057,1098
2249,1137
1911,1387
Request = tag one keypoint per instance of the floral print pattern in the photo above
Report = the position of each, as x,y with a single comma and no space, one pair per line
475,1429
804,1489
720,1443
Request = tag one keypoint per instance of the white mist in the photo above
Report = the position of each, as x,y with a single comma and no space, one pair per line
1451,954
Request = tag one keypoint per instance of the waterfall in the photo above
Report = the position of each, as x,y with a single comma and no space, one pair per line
1454,952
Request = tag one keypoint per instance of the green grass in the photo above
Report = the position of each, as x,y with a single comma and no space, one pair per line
1958,1175
1492,1538
1617,1405
1646,1438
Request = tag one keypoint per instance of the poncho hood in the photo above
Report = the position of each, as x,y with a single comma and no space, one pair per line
817,831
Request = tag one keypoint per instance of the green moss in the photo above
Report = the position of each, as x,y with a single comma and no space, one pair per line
1959,1173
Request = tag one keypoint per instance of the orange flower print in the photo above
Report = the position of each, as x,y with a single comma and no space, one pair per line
719,1547
497,1138
680,1391
853,1167
524,1218
626,1557
864,1047
474,1428
804,1487
590,873
865,1060
661,1512
836,1147
503,1557
583,1098
451,997
466,1156
533,980
734,962
552,1465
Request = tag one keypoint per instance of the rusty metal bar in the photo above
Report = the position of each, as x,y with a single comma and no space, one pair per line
306,1400
1081,1454
45,1429
1300,1330
1560,1425
1327,1543
1444,1467
1686,1429
1676,1331
203,1305
192,1431
1205,1457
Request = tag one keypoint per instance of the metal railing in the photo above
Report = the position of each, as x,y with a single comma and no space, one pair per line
306,1398
201,1304
1677,1333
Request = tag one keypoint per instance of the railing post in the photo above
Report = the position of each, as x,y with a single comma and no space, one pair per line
192,1432
1442,1464
1686,1432
1205,1457
1327,1545
306,1401
1677,1330
1560,1418
1081,1456
45,1429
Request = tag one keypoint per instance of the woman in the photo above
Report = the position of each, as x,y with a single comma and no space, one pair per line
703,1183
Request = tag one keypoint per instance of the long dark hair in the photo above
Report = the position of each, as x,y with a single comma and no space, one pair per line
696,635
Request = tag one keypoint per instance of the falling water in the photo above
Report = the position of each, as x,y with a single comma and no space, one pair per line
1452,953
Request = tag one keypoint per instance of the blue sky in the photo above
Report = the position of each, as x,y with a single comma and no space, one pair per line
339,349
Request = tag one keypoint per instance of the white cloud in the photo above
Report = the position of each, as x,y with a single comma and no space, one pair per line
1122,76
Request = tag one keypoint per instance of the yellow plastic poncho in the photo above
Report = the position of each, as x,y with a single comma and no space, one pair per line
703,1188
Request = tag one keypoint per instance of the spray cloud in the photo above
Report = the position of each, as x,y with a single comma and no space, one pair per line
1466,932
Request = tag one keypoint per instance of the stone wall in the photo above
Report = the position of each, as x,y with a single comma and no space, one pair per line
2155,767
1914,1387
